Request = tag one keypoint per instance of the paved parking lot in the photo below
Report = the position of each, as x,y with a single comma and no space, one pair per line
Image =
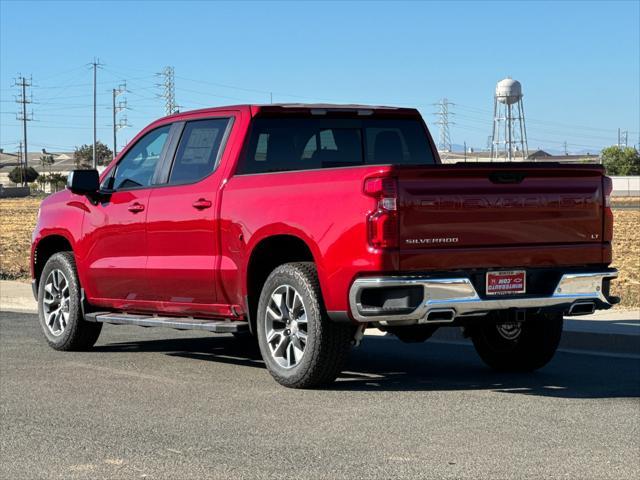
156,403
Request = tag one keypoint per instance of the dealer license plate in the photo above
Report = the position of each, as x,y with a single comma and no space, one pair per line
506,283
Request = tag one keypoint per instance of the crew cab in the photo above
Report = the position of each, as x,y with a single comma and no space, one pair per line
304,225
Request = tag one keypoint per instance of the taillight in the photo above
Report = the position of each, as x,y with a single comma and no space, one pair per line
607,188
607,227
382,224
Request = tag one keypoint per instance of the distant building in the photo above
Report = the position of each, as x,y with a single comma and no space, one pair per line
542,156
63,163
537,156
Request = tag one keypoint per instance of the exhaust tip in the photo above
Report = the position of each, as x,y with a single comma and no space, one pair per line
582,308
441,316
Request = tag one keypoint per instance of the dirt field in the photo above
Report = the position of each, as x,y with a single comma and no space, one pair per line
17,220
625,202
18,216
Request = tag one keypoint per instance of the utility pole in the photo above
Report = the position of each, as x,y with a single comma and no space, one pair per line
122,89
23,83
22,172
566,151
465,151
168,86
444,143
115,141
95,65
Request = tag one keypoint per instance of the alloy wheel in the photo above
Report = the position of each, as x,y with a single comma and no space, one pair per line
509,331
286,326
56,302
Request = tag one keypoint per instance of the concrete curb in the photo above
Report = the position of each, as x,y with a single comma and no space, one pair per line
17,297
612,332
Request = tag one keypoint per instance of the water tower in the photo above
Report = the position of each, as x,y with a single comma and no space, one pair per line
509,138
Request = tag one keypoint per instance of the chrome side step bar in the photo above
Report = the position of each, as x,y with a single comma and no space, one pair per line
178,323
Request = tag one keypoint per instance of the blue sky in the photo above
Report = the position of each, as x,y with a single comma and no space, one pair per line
579,62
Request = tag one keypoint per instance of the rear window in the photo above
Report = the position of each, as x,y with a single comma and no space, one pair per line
282,144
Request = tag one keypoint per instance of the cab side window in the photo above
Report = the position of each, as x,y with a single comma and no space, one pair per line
198,150
137,167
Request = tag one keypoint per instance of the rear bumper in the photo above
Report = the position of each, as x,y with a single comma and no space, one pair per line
444,300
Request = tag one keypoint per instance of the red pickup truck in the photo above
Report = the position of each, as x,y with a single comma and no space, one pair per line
303,225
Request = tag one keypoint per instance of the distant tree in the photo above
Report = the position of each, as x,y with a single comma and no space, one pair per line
42,181
57,181
46,160
83,155
621,160
30,175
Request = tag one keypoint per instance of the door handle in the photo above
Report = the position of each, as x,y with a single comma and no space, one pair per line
202,203
136,207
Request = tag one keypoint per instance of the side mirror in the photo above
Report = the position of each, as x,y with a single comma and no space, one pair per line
83,182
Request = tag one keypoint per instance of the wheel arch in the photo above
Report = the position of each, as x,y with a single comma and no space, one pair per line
45,248
266,255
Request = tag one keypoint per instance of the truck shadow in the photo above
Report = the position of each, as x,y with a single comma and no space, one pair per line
386,364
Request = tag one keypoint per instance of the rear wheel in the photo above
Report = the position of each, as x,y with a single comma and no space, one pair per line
301,347
413,333
518,346
60,308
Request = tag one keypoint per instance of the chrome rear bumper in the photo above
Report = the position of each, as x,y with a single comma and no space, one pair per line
445,299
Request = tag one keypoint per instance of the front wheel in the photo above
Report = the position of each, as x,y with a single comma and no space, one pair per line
60,306
301,347
518,347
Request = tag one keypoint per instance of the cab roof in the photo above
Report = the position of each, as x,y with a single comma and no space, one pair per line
306,108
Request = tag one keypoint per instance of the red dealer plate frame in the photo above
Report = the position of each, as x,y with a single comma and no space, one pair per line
513,282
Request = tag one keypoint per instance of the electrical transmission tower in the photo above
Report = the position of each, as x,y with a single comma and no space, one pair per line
24,99
444,142
121,106
623,138
168,86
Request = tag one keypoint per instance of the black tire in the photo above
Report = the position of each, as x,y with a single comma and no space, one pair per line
327,343
245,337
532,348
77,334
413,333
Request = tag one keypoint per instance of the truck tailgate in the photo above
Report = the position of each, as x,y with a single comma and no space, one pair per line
499,205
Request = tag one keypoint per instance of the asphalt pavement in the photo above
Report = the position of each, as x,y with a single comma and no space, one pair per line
158,403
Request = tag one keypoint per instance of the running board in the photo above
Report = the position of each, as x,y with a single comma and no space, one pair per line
179,323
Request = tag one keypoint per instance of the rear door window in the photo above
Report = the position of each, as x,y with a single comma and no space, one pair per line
198,150
286,145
